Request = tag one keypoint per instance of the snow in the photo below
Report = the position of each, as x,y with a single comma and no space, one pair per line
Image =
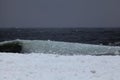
58,67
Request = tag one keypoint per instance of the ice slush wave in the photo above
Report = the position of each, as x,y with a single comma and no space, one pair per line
65,48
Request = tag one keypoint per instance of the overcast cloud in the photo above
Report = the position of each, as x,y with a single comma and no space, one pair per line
59,13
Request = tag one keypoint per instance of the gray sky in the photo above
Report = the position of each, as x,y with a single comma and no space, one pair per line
59,13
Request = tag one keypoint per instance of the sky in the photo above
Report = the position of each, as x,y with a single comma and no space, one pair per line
59,13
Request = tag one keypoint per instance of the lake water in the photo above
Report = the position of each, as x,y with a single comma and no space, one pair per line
105,36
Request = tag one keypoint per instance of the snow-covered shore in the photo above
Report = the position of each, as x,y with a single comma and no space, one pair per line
58,67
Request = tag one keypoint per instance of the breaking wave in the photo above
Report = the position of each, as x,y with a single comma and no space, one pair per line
63,48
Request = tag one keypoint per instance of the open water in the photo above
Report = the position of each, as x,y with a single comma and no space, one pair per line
104,36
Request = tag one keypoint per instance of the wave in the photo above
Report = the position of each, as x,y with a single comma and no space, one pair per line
55,47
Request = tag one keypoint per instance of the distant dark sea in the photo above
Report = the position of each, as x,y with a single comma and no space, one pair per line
105,36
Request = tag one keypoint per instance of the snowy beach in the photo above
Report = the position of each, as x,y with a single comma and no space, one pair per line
58,67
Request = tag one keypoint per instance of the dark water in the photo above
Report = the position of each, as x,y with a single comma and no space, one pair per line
105,36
